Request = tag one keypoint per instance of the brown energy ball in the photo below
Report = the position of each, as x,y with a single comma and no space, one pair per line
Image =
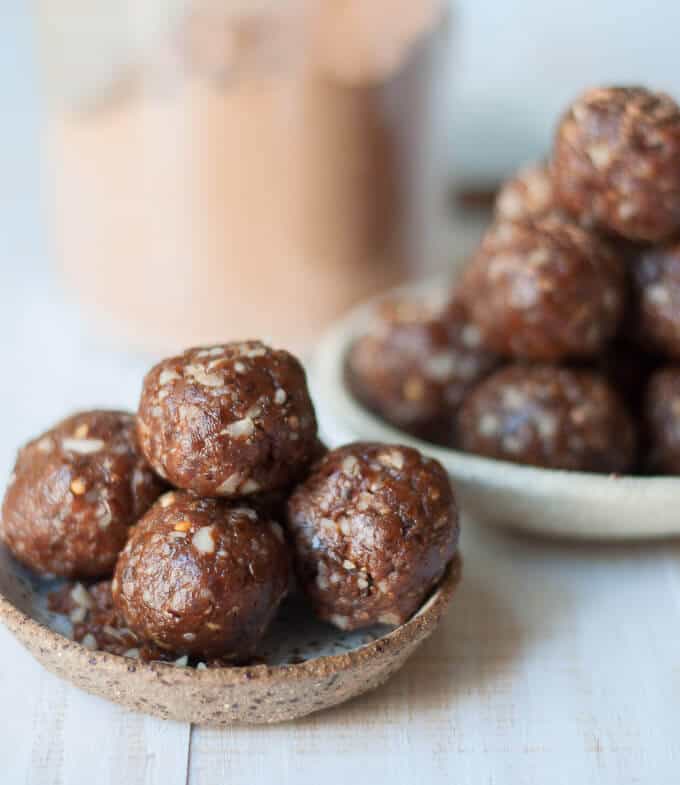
557,418
662,415
616,162
229,420
545,290
202,576
415,365
374,527
528,194
74,493
656,289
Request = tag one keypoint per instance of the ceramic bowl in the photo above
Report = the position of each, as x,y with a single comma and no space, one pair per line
307,665
549,502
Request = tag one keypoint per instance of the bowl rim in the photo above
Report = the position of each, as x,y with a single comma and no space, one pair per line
328,368
24,626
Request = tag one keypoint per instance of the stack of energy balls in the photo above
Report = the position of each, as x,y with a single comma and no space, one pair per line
557,347
198,572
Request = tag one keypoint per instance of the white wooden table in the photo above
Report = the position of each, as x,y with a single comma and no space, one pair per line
557,664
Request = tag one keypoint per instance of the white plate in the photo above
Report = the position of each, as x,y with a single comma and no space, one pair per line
546,501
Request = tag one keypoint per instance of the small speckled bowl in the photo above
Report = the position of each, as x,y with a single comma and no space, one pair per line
309,665
545,501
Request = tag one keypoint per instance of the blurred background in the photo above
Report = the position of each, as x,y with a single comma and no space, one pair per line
180,171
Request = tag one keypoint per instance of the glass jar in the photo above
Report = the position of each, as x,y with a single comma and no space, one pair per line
225,170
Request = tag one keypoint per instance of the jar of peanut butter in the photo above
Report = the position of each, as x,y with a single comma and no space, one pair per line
237,168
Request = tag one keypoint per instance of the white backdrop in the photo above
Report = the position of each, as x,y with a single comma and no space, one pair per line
514,65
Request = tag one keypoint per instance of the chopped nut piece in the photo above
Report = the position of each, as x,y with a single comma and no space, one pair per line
167,499
83,446
78,486
90,642
206,379
78,614
81,596
350,466
250,486
167,376
203,540
240,429
230,485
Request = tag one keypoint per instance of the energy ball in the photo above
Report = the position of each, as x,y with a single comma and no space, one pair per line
616,162
415,365
556,418
75,492
656,287
662,410
545,290
527,195
202,576
229,420
374,527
